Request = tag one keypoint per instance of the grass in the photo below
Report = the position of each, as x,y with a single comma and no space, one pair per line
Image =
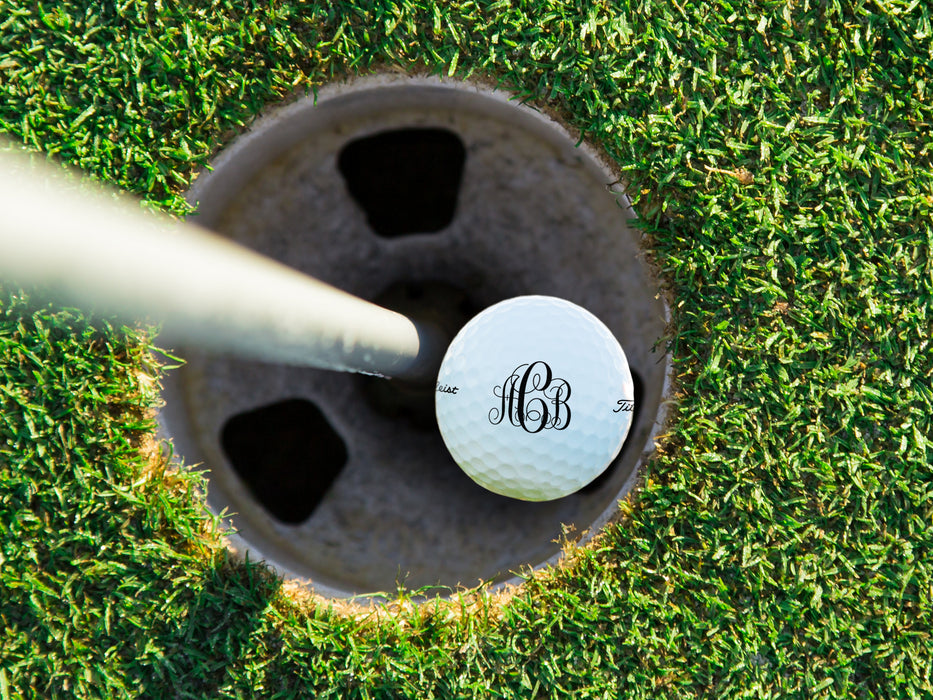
780,157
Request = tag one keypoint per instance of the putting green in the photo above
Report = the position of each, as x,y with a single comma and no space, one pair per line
780,158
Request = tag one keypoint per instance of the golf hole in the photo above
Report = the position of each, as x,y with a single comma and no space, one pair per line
343,481
287,454
406,180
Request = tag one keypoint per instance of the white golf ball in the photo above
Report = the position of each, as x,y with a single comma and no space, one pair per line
534,398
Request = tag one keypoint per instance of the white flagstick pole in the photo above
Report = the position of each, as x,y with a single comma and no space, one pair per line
94,251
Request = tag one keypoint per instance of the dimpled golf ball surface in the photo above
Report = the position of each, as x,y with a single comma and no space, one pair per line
534,398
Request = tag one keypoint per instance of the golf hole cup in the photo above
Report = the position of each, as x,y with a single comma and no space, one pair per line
534,398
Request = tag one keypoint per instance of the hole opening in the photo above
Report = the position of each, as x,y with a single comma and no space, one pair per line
406,180
287,454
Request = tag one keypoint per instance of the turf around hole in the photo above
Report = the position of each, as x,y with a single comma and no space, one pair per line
779,156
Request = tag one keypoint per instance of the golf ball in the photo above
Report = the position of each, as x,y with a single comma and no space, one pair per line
534,398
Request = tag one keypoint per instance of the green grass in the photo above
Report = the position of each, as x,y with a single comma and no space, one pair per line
780,157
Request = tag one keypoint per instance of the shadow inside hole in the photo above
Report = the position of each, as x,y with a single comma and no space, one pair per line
439,303
599,481
287,454
406,180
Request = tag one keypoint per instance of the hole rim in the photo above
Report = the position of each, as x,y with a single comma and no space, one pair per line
611,511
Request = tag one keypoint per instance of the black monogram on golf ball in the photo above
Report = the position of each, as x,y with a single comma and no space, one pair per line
533,399
624,405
